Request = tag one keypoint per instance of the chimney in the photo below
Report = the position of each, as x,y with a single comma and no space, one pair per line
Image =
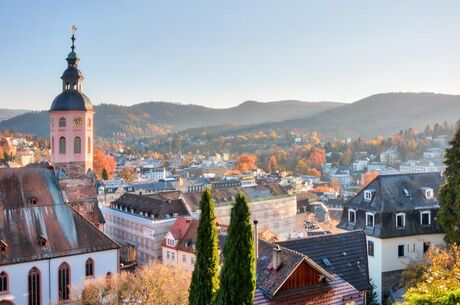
276,262
256,238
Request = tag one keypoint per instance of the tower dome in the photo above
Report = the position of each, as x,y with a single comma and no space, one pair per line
72,98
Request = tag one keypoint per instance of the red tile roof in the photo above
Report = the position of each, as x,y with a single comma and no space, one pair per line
179,231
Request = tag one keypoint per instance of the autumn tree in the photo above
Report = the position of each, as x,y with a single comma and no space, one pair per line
436,279
314,172
317,158
301,167
246,162
368,177
335,184
273,164
151,284
449,194
101,161
128,173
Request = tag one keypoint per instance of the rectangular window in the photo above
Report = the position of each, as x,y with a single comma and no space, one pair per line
425,218
184,258
370,248
167,255
352,216
400,220
192,260
370,220
401,251
173,256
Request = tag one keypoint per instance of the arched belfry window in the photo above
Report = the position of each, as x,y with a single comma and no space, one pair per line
62,122
89,267
62,145
3,282
89,145
77,145
34,285
64,282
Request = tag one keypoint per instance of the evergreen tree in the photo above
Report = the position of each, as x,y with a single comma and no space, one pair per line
449,195
104,174
205,278
371,296
237,281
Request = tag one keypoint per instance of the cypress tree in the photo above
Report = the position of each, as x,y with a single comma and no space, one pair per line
104,174
237,281
205,278
449,195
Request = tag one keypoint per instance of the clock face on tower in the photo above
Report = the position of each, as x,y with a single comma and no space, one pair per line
77,121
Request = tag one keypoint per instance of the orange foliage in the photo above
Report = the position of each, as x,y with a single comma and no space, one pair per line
128,174
313,172
273,163
322,189
368,177
317,158
101,161
246,162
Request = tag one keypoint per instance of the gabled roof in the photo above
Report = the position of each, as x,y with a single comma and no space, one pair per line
346,253
23,221
337,292
401,192
269,280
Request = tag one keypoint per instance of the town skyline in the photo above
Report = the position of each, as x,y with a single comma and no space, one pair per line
220,55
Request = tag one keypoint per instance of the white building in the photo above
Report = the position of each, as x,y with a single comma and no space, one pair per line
47,249
422,166
142,222
390,156
360,165
398,214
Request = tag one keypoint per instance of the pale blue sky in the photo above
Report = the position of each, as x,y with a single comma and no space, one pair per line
221,53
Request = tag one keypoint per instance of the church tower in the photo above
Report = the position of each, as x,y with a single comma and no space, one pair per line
71,122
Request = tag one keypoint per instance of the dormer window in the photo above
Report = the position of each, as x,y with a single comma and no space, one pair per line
400,220
33,200
370,220
427,192
171,242
425,218
368,194
42,241
3,246
351,216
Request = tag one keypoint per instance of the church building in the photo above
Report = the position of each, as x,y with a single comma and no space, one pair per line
50,244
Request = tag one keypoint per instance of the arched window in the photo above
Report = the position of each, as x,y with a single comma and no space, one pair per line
89,145
62,145
77,145
3,282
52,144
64,282
34,286
62,122
89,122
89,267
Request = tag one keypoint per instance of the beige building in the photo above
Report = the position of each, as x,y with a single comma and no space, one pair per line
178,246
270,204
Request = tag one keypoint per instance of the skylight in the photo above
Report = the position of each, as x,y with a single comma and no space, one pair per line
326,262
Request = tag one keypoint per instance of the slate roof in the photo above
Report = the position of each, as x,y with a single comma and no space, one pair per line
394,194
154,186
346,252
158,208
31,204
71,100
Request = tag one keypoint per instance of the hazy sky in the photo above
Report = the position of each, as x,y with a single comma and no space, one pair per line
221,53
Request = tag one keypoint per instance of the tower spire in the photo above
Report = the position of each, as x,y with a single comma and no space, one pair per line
72,58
